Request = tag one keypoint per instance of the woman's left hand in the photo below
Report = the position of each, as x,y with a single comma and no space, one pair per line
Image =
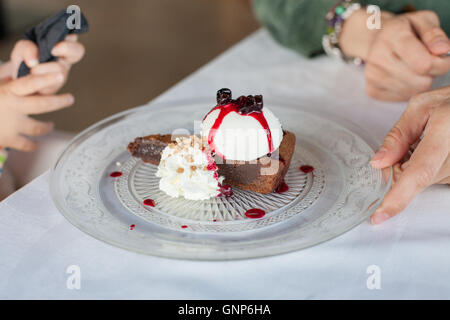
68,52
427,114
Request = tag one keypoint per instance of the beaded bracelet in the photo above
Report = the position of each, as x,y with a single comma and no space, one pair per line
335,20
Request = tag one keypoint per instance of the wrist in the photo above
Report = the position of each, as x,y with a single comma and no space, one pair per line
356,38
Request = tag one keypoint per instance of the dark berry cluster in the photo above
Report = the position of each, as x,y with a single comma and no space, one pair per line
250,104
246,104
224,97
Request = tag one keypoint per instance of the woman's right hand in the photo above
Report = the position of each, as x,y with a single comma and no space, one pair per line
402,57
19,99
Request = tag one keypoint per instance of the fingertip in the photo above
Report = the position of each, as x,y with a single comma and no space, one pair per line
55,51
379,217
72,37
376,164
70,99
377,160
31,63
440,47
59,77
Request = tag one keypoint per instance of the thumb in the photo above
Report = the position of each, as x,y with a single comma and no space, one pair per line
427,26
420,172
403,134
24,51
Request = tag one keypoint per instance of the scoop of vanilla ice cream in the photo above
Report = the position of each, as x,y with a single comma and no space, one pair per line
241,137
185,170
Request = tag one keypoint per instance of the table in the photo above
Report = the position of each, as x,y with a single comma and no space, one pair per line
409,255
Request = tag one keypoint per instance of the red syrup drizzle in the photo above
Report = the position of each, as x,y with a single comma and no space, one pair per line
226,191
306,169
283,187
149,202
211,165
132,227
255,213
115,174
184,227
233,107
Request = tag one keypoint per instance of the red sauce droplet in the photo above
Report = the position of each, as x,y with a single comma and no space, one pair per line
306,169
149,202
132,227
233,107
255,213
214,220
226,191
283,187
211,166
115,174
184,227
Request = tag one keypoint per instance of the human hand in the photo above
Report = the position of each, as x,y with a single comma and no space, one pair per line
428,114
68,52
18,100
403,57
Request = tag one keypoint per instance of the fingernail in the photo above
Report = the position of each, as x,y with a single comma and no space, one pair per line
379,217
32,63
71,99
441,45
378,156
54,51
59,77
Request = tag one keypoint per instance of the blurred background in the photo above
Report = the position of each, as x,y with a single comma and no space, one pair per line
136,49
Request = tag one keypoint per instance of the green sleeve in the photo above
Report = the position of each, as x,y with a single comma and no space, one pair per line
300,24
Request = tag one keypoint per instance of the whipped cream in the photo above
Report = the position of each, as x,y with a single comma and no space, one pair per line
187,169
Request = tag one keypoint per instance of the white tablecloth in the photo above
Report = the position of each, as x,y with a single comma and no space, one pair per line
412,251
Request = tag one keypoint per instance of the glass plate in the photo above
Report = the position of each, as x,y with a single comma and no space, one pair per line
341,192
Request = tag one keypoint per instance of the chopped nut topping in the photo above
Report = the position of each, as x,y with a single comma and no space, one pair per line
180,170
193,168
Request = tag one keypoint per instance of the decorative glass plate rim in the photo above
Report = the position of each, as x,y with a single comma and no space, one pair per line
285,103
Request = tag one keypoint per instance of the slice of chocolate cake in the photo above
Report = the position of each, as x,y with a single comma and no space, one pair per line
263,175
149,148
